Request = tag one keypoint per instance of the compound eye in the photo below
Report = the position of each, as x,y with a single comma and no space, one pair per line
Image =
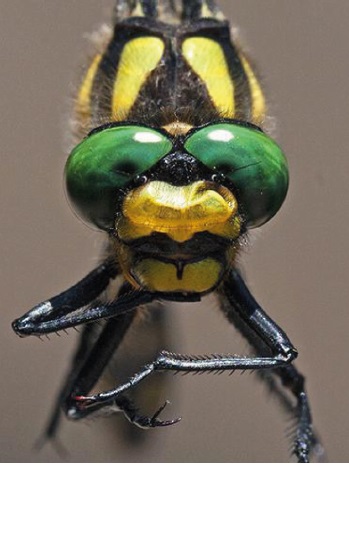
251,160
104,163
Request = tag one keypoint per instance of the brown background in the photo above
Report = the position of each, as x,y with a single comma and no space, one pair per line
297,267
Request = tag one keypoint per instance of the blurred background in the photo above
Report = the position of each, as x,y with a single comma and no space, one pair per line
296,266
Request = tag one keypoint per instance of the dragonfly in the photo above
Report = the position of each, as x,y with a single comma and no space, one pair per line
173,164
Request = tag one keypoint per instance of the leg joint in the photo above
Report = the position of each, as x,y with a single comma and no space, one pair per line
289,354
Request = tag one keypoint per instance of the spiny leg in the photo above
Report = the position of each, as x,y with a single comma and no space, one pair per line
50,316
87,338
240,319
92,357
148,336
280,347
306,440
292,382
96,360
76,306
96,348
238,303
235,294
153,335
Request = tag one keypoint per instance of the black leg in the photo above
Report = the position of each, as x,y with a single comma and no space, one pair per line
240,308
305,439
146,339
244,318
83,379
89,335
74,307
64,310
61,306
238,303
96,348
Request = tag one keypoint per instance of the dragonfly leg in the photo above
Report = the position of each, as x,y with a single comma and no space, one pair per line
305,439
262,333
89,333
76,306
54,310
96,348
92,366
242,310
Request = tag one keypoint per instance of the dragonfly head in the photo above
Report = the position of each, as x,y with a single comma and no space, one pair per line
176,206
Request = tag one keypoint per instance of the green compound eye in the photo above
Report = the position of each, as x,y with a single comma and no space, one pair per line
251,160
104,163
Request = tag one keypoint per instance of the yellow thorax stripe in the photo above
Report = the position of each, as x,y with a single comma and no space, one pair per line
207,59
257,96
137,10
83,106
207,12
139,58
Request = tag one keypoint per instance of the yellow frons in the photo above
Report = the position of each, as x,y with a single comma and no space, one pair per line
179,212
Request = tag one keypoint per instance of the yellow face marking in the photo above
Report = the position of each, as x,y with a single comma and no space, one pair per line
138,59
258,100
179,212
196,277
177,128
83,106
207,59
